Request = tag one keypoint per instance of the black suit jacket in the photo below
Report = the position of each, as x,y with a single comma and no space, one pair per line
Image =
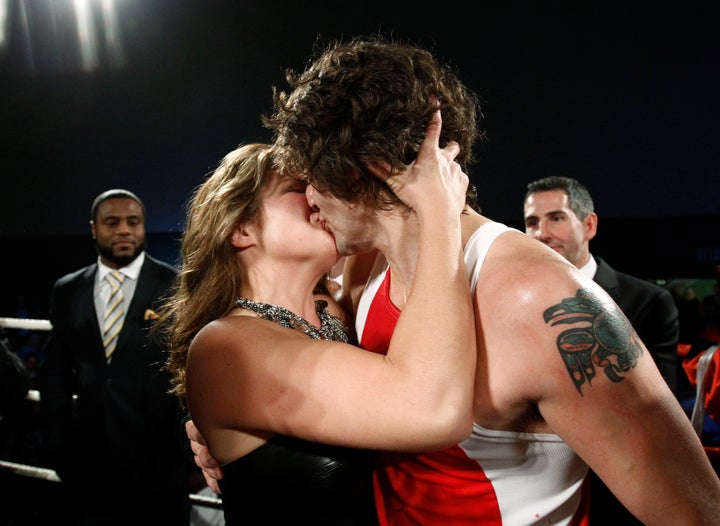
654,316
123,430
652,313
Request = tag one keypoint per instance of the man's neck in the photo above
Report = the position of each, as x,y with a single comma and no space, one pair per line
398,242
401,251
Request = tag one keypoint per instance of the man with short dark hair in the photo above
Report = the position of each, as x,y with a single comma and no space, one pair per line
103,391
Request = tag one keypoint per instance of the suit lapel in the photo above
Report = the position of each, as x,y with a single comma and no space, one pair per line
605,276
86,298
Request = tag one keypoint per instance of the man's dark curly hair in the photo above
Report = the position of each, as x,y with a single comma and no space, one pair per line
366,100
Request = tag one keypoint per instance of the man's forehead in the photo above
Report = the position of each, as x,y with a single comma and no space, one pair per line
120,207
558,197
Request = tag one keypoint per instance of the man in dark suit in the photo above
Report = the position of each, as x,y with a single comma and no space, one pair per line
559,212
111,423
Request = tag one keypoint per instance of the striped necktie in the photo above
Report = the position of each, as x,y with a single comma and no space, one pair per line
114,312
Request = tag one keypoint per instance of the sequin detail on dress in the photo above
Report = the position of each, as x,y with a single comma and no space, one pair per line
331,327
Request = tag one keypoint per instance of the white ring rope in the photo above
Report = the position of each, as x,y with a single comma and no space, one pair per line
25,323
32,325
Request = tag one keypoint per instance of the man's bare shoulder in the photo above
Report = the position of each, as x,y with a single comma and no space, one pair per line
528,297
547,322
527,271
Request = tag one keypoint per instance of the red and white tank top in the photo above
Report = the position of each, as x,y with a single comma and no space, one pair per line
492,478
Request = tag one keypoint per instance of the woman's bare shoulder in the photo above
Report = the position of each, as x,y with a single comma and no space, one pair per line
225,332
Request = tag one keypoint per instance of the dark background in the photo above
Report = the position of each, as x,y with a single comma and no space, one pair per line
623,98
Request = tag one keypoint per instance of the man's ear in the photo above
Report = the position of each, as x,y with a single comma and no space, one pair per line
591,223
243,236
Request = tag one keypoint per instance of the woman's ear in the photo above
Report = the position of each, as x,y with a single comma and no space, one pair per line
243,236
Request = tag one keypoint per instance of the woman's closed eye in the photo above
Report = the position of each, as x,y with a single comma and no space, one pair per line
297,187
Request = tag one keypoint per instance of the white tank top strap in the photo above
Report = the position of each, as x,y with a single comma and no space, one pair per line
377,275
477,247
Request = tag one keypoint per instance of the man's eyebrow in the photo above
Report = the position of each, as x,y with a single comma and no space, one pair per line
549,213
116,216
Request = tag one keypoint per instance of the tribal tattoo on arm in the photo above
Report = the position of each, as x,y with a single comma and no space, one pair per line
598,338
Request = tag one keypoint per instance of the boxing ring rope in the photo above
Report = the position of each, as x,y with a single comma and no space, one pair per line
34,396
25,323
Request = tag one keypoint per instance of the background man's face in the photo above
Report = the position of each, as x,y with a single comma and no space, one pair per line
549,219
119,231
